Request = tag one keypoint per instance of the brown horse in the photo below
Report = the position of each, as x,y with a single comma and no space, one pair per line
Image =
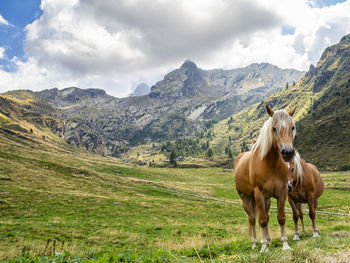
263,173
306,187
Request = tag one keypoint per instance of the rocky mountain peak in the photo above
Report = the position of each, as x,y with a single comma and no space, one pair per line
311,71
194,80
345,38
191,70
189,64
141,90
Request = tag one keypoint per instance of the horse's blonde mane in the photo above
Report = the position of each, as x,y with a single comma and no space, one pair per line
298,168
264,141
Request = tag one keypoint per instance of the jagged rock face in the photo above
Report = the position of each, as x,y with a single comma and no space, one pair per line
66,97
177,106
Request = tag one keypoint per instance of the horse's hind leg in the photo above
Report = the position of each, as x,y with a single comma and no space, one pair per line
301,216
294,205
249,207
312,213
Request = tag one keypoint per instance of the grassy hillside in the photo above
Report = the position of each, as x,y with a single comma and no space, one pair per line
21,112
322,100
324,133
59,203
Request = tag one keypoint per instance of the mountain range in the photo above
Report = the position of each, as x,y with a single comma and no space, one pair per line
185,101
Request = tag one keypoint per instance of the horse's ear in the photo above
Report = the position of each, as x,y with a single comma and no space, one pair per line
291,113
269,111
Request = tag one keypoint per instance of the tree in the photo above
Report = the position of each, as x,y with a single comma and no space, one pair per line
172,158
229,152
287,86
31,130
244,147
210,153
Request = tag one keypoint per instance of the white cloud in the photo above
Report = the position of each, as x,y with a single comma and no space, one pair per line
3,21
117,44
2,52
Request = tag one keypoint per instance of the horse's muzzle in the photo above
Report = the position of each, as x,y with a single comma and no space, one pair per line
287,154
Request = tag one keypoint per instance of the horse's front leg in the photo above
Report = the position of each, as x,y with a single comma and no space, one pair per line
263,218
267,209
282,219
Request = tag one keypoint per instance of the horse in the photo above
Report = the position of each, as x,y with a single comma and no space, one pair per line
263,173
306,187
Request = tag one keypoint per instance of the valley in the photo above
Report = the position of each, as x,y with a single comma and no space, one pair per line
61,203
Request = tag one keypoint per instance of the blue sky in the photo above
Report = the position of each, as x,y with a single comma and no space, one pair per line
116,44
18,14
324,3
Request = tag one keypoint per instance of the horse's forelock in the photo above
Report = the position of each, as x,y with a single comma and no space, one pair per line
281,119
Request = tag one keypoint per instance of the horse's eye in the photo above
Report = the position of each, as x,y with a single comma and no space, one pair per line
293,128
274,129
292,170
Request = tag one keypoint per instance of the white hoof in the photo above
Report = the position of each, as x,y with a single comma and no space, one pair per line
296,238
264,248
316,234
254,245
285,246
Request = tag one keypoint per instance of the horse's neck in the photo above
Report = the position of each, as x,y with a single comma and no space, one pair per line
273,157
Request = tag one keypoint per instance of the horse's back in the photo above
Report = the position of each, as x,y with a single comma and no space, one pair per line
241,165
319,185
241,160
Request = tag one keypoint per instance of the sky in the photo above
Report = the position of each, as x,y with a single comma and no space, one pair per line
116,44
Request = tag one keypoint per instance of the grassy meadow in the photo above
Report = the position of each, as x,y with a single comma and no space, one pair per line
59,204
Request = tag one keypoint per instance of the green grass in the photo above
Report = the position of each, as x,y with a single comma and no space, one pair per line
98,209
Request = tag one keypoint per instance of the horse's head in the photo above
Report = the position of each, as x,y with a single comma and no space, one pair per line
283,130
